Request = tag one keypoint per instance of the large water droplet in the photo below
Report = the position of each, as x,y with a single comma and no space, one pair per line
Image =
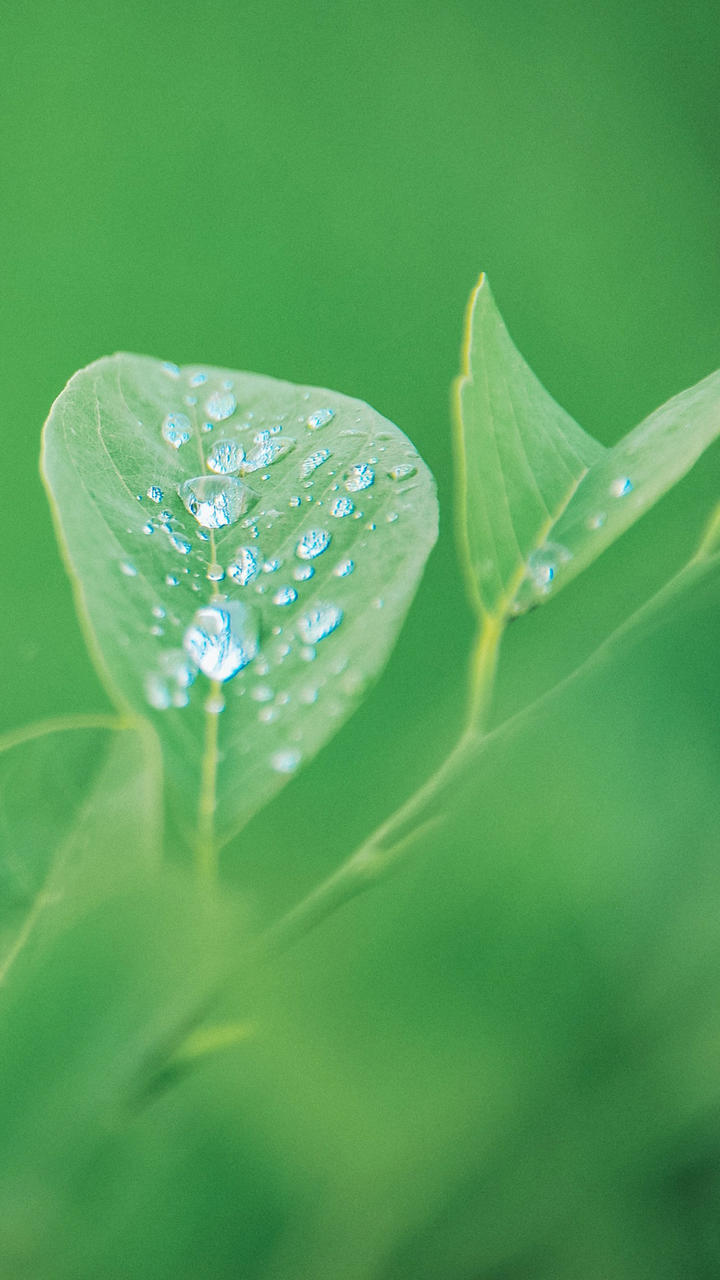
313,461
176,429
342,507
320,418
360,476
313,543
285,761
265,453
225,457
319,623
222,639
216,501
220,405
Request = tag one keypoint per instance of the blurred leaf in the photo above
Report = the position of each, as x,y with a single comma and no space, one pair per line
81,1033
539,498
79,814
309,467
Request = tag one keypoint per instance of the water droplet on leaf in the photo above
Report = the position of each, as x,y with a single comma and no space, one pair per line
222,639
176,429
319,623
216,501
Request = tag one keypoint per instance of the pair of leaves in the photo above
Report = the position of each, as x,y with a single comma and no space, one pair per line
178,490
540,499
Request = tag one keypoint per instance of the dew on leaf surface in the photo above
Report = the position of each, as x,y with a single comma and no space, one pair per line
621,487
285,595
285,761
402,471
220,405
128,569
313,461
320,418
265,453
176,429
225,457
360,476
216,501
313,543
155,493
342,507
319,622
344,568
222,639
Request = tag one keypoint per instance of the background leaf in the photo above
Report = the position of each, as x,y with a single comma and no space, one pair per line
80,814
539,498
315,517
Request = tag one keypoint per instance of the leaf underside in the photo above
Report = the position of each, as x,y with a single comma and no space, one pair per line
539,499
140,559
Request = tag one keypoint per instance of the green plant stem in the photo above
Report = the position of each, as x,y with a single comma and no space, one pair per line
206,852
387,845
391,841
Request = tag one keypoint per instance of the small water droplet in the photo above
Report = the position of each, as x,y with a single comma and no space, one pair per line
179,544
215,573
320,418
155,493
158,611
302,572
207,426
266,715
285,761
342,507
622,486
176,429
262,693
157,692
222,639
543,566
220,405
597,521
295,502
308,654
171,580
198,379
402,471
359,477
128,569
344,568
319,623
285,595
308,696
215,704
148,528
392,516
313,543
225,457
157,631
172,370
216,501
271,566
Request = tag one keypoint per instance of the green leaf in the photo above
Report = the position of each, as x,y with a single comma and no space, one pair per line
539,498
127,431
79,815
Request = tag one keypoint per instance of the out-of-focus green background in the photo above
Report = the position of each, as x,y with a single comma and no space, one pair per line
310,190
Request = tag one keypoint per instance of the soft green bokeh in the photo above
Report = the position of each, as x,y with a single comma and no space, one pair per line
504,1063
